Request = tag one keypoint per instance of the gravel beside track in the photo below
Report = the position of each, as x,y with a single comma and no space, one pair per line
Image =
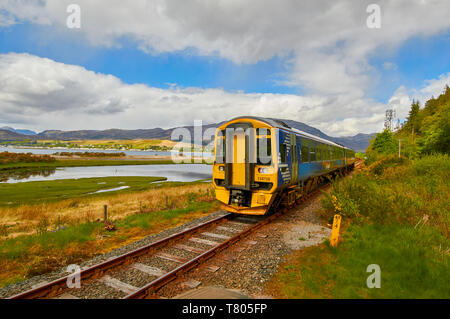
247,266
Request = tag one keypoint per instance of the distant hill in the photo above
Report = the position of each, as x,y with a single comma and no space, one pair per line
24,132
7,135
358,142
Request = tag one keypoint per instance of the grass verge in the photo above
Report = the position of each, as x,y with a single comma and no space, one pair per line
395,215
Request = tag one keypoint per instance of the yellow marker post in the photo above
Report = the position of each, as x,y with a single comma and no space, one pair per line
335,230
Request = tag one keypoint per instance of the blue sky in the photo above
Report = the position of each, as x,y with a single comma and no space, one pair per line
418,59
132,65
169,63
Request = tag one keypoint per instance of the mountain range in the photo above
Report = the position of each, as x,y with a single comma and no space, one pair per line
358,142
24,132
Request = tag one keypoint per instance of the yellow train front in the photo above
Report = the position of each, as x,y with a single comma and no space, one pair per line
261,163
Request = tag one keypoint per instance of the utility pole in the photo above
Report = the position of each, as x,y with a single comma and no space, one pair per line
388,121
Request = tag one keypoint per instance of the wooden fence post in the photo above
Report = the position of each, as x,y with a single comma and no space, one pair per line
105,213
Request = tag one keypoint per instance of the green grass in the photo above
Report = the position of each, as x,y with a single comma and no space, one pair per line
20,247
81,163
50,191
15,194
145,221
412,266
396,215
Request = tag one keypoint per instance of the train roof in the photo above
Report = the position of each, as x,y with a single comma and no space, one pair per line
282,125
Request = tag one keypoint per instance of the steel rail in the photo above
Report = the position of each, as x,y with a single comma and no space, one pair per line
149,291
57,286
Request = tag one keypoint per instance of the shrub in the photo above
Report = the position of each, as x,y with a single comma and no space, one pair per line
395,190
378,167
8,158
90,154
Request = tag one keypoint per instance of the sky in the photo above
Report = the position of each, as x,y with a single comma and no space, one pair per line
334,65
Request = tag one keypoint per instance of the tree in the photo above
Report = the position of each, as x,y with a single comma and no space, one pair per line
384,143
436,137
413,121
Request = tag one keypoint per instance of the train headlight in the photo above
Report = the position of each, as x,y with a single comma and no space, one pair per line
221,168
263,170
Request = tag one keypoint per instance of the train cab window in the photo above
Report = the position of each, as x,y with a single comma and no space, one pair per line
312,154
263,132
264,151
220,150
283,153
305,154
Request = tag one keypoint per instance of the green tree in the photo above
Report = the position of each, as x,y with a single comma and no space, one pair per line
384,143
413,122
436,135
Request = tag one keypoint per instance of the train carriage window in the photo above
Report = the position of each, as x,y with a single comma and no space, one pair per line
312,154
264,151
305,154
283,153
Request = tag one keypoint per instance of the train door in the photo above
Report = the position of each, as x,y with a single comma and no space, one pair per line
239,155
294,148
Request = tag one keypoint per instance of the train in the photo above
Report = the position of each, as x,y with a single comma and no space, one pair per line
262,164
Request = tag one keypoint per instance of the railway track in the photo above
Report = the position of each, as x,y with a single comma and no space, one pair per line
142,272
159,263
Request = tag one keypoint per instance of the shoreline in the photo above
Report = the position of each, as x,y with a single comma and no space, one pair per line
112,150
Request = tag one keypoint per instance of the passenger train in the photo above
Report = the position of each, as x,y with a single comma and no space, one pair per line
261,164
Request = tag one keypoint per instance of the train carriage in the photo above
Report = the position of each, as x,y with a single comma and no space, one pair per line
261,163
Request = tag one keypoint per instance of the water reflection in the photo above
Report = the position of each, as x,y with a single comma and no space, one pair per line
17,175
173,172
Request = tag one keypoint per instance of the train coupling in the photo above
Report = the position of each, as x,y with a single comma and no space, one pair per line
240,198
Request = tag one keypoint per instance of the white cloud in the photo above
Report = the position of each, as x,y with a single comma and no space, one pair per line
400,102
43,94
327,42
434,87
402,98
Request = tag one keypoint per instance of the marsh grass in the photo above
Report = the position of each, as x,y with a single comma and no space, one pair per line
142,196
55,246
81,163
